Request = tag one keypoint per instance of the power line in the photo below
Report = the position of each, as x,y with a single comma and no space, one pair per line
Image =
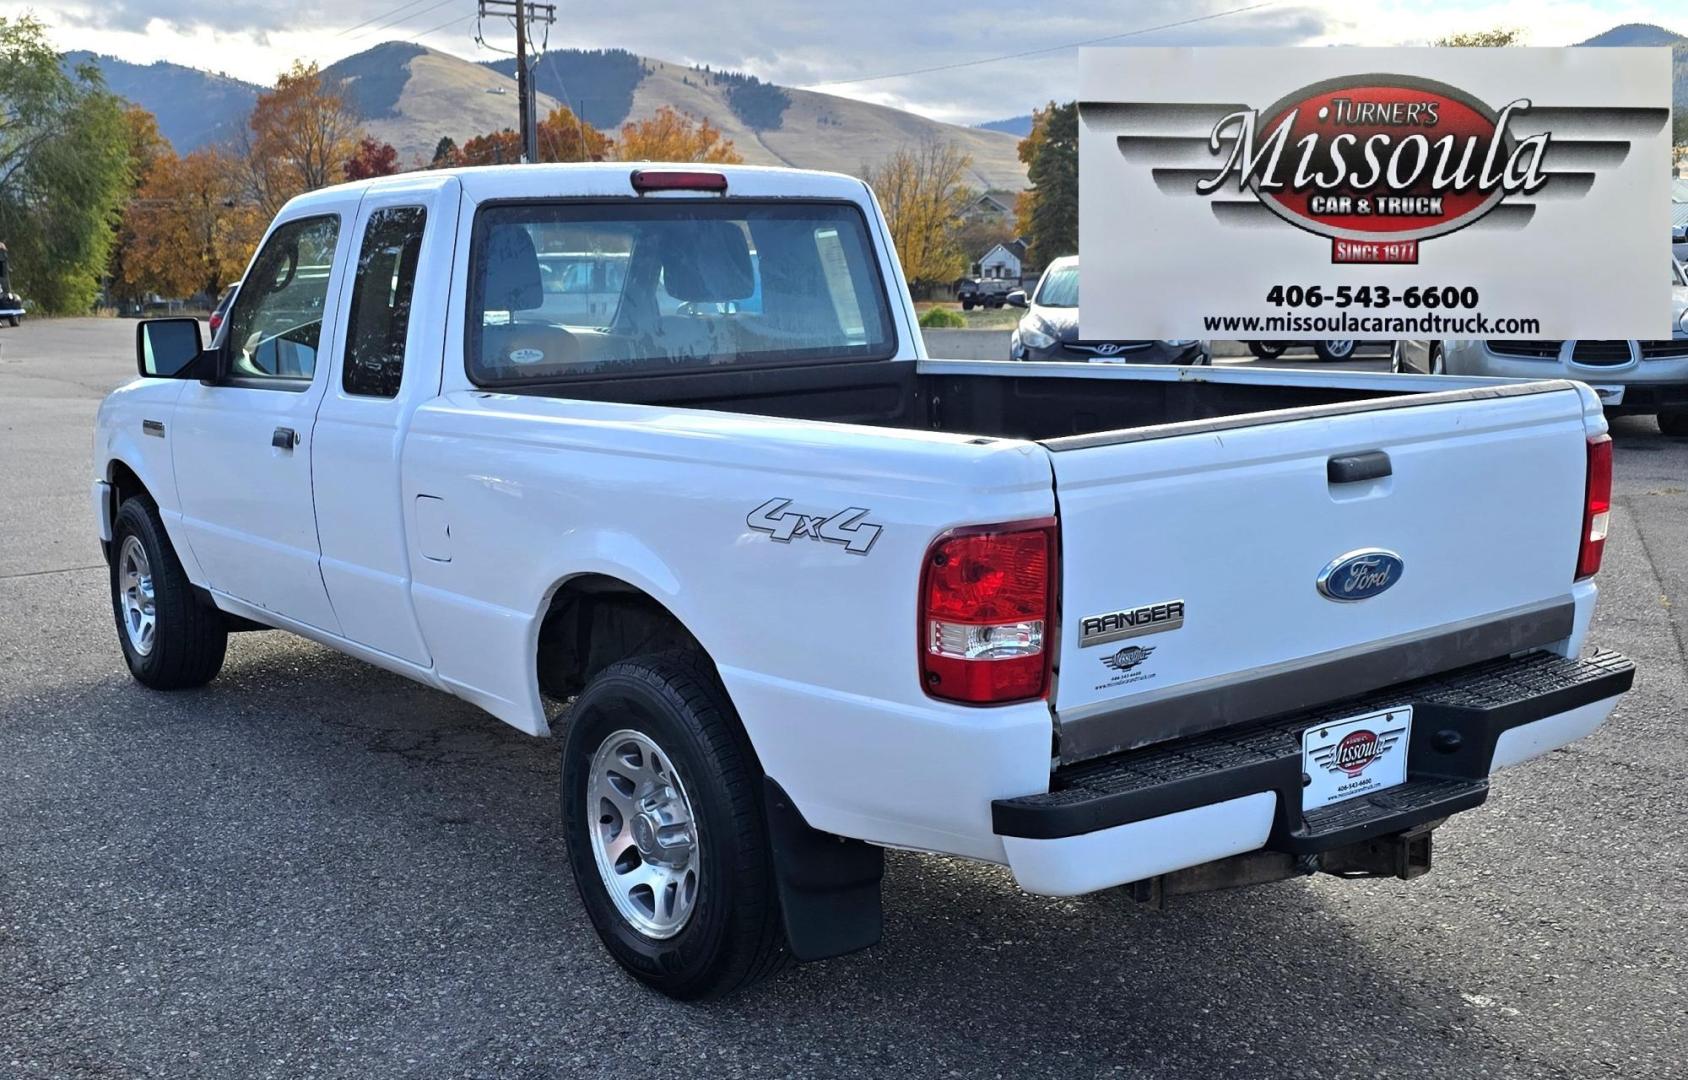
579,124
454,20
410,15
383,15
1040,52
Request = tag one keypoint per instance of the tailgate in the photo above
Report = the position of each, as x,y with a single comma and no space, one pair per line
1192,556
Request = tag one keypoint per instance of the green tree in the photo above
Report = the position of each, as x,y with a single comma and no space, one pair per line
64,170
1499,37
1048,209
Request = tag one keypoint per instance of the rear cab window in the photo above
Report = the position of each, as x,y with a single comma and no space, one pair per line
581,289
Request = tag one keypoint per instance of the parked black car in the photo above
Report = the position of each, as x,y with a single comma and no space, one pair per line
983,292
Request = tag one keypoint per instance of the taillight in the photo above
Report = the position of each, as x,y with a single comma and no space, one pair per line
987,613
1597,507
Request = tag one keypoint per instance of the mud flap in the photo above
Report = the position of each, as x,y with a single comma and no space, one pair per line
828,885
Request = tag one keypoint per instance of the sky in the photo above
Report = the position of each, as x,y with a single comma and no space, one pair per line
838,48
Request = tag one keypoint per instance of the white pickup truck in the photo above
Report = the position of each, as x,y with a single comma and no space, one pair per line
813,594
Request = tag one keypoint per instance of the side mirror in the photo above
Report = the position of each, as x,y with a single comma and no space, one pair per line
1017,298
167,348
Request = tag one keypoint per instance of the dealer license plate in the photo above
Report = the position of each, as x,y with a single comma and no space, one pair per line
1355,757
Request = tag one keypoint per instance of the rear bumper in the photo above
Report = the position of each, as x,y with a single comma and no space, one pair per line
1177,804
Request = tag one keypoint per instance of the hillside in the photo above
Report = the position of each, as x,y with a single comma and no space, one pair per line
193,107
410,96
769,124
1633,34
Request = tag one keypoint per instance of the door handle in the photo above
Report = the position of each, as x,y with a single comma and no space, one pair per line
285,438
1352,468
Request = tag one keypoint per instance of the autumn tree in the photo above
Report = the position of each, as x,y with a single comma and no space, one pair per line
674,136
146,147
299,137
189,229
1047,211
564,136
921,189
371,158
64,170
496,148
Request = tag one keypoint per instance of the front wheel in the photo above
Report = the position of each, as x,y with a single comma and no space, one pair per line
1333,351
14,320
170,640
1674,423
666,834
1267,350
967,305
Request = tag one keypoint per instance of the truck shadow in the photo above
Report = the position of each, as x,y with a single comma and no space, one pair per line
423,864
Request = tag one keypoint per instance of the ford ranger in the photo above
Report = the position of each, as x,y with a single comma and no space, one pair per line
811,594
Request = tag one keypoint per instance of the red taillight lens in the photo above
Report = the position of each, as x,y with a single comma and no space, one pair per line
1597,507
677,180
987,604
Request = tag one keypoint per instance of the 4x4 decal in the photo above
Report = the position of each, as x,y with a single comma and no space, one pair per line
845,527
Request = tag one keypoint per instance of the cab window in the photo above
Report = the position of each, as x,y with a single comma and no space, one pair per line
380,318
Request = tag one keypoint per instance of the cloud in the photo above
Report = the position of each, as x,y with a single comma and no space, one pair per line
801,43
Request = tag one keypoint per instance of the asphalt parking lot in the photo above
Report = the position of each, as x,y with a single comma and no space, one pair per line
314,868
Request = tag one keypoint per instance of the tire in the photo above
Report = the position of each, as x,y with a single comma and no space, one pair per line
1433,360
642,732
1334,351
184,644
967,305
1267,350
1674,423
14,321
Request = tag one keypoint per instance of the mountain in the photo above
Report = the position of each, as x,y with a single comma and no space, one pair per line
769,124
1017,126
193,107
1632,34
410,96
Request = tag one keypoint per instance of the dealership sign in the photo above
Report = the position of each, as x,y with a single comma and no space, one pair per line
1295,194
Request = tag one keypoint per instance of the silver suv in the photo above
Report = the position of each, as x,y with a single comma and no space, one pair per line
1629,376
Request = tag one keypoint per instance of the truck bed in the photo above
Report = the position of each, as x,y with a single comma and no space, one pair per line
1039,402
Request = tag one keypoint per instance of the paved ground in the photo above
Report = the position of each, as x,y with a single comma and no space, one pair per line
312,868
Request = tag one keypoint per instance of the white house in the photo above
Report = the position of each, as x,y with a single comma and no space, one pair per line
1004,261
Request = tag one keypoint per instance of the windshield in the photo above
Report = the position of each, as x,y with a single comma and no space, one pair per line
570,289
1059,288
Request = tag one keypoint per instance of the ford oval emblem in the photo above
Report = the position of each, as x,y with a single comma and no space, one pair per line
1360,575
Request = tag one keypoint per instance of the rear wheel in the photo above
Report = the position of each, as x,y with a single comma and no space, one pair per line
1674,422
170,640
967,305
1434,358
1334,351
666,834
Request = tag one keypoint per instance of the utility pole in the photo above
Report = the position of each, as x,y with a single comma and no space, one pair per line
524,13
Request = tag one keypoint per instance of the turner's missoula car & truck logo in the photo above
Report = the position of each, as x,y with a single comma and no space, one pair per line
1379,163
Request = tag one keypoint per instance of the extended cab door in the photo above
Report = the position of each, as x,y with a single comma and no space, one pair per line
395,300
242,447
